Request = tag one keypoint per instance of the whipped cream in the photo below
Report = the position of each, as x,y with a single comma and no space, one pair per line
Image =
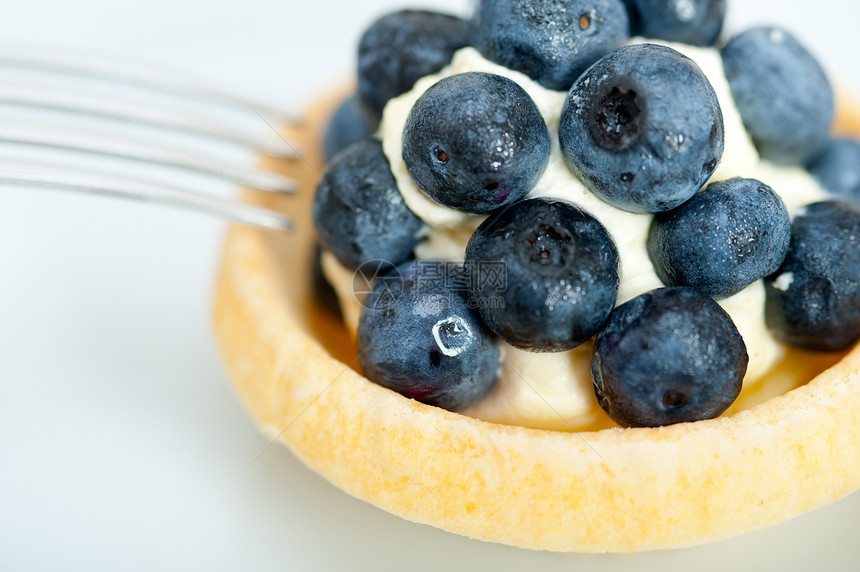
554,391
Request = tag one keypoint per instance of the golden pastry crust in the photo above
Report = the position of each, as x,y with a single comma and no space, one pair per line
613,490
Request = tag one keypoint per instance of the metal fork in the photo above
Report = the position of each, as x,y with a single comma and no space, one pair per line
132,114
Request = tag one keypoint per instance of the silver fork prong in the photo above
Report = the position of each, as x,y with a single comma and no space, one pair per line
127,150
51,177
79,65
181,122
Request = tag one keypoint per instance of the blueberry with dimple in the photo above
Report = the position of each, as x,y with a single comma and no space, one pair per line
642,128
358,211
668,356
813,301
350,124
544,274
837,169
694,22
475,142
781,92
400,48
551,41
723,239
417,335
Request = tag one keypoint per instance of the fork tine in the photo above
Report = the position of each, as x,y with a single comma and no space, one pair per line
123,149
81,65
275,145
20,173
123,107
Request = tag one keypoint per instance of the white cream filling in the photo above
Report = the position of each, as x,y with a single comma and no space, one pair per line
554,391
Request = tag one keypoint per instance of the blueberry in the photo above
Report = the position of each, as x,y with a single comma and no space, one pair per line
642,128
723,239
813,301
694,22
400,48
782,94
475,142
418,336
551,41
358,212
350,124
668,356
837,169
558,269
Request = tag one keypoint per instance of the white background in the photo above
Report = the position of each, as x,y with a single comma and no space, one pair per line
121,443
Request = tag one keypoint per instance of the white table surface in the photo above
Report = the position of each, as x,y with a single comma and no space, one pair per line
122,445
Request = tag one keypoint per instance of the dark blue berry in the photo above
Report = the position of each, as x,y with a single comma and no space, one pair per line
837,169
668,356
723,239
695,22
642,128
350,124
560,274
400,48
551,41
813,301
783,96
475,142
358,212
417,335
